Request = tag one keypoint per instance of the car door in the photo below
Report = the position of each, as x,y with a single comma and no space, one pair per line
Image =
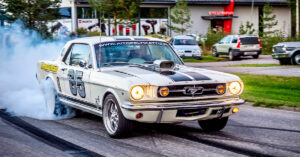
220,45
227,44
75,78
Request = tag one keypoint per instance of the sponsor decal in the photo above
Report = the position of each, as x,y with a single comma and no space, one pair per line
132,43
49,67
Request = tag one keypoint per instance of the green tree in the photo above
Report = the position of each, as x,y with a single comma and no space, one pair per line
268,21
248,29
180,15
121,11
35,14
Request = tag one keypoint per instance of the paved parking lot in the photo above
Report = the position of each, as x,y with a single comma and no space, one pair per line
291,71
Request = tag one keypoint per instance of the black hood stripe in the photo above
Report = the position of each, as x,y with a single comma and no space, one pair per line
197,76
176,77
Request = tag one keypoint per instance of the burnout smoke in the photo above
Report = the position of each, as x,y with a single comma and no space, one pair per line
20,50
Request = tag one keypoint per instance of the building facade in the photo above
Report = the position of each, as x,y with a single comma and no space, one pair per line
225,15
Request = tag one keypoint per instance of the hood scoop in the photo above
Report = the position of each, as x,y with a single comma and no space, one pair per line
163,65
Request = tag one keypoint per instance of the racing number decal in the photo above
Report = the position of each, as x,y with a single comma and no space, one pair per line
80,84
76,83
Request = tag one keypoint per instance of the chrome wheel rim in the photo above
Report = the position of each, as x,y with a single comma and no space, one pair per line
214,52
111,117
297,59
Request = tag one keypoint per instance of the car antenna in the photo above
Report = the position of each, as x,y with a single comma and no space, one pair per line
100,35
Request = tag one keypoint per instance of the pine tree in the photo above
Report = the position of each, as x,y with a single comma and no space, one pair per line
121,11
35,14
180,15
268,21
248,29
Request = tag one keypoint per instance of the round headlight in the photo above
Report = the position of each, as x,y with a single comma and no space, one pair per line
164,91
220,89
235,88
137,92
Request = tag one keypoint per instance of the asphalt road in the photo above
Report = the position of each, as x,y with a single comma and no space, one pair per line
253,131
291,71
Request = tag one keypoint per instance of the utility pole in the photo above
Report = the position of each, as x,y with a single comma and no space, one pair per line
297,17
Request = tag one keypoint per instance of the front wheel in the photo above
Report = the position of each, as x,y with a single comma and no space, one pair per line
213,124
115,123
296,59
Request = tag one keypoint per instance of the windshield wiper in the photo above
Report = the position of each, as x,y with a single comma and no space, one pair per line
116,63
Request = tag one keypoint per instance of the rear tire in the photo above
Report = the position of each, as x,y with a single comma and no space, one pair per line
115,123
215,52
213,124
255,56
231,56
53,103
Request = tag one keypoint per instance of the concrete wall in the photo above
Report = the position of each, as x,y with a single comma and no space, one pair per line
200,26
244,15
283,15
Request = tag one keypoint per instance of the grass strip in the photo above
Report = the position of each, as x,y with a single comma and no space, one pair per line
206,59
271,91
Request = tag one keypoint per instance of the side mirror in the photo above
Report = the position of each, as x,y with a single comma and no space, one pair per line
82,63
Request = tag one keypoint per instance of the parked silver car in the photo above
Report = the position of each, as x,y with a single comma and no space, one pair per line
186,47
287,53
238,45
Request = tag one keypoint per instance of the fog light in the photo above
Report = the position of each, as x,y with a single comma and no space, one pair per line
139,115
235,110
164,91
220,89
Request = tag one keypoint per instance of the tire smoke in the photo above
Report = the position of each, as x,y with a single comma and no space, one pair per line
20,93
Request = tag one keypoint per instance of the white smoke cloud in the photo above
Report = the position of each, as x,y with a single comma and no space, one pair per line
20,50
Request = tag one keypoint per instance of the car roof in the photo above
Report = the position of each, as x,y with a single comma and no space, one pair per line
183,37
97,39
244,35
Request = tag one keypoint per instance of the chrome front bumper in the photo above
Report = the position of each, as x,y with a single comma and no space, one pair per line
172,106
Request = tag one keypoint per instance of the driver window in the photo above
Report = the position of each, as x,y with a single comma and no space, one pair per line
79,52
228,40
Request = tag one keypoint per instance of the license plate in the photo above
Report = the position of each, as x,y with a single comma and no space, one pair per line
188,54
250,53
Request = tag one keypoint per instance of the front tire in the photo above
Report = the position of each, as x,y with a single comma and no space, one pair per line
213,124
296,59
115,123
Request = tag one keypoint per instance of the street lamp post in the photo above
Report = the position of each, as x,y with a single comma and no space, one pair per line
297,17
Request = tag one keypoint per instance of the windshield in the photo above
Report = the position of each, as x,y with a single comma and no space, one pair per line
185,42
133,52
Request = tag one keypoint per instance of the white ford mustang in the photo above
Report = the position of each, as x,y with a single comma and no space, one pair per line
125,79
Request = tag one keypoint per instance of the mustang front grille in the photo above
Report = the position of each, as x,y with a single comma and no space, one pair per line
198,90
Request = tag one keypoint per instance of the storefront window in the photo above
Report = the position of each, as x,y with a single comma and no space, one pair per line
86,13
154,13
65,13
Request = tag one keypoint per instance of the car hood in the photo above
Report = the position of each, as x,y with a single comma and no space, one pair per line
289,44
186,47
127,76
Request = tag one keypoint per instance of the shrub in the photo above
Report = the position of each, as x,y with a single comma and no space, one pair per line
81,31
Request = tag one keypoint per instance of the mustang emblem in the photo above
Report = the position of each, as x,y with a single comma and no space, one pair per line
192,90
